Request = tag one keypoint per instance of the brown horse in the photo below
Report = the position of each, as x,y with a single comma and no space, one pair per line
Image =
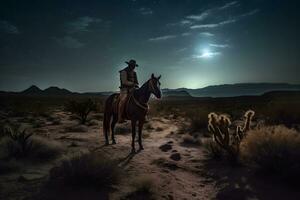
136,110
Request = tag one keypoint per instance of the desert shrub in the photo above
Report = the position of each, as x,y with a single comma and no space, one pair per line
282,112
198,119
86,170
81,109
19,144
143,188
228,140
275,150
212,149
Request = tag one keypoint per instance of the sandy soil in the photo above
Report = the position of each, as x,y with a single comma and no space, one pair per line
180,171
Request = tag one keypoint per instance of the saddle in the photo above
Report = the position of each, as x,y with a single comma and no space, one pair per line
130,96
116,102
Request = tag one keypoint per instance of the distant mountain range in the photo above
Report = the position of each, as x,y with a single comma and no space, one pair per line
239,89
227,90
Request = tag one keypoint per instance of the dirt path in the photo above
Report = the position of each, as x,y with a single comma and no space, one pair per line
175,168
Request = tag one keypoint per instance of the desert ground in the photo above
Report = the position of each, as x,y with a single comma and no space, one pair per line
175,163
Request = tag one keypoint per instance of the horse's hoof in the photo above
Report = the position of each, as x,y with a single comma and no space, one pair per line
114,142
141,148
106,143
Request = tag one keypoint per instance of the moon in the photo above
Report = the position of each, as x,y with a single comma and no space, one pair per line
206,54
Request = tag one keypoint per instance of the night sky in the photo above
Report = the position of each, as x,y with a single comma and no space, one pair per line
81,45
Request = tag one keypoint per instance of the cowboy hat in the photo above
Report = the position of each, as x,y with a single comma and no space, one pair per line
132,62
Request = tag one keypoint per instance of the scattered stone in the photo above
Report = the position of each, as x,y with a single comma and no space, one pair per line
175,156
165,147
159,129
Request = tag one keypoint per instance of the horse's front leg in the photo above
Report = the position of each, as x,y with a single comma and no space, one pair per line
133,130
141,124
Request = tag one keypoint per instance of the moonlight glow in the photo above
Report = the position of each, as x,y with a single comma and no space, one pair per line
206,53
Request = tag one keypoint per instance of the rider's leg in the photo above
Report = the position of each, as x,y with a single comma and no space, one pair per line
123,96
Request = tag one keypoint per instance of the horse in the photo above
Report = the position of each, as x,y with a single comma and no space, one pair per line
135,110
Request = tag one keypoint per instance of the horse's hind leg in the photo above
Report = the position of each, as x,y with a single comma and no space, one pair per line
141,124
133,129
113,124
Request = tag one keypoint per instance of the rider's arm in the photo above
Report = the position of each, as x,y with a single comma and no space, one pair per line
136,83
125,80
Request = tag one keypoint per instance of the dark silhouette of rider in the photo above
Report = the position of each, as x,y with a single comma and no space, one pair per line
129,82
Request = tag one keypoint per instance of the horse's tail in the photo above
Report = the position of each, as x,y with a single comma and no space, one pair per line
108,112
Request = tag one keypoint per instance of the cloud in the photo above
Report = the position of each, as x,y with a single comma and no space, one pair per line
161,38
81,24
230,21
253,12
69,42
7,27
207,34
201,26
185,22
220,45
145,11
199,17
228,5
206,55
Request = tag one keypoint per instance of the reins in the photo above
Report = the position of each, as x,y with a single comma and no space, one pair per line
146,106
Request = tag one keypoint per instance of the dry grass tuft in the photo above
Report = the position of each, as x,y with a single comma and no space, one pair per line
86,170
19,144
144,188
274,149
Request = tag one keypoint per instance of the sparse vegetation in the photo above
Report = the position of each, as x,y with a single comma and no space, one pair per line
212,149
274,150
81,109
18,144
86,170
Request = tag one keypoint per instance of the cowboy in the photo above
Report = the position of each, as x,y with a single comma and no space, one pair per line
129,82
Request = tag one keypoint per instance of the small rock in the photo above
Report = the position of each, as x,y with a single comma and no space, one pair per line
175,156
165,147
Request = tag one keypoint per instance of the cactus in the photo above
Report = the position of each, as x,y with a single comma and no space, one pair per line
228,140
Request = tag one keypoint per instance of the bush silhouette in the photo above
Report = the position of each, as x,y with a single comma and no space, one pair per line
273,149
81,109
86,170
19,144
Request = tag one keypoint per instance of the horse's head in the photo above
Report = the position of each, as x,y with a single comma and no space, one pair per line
154,86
